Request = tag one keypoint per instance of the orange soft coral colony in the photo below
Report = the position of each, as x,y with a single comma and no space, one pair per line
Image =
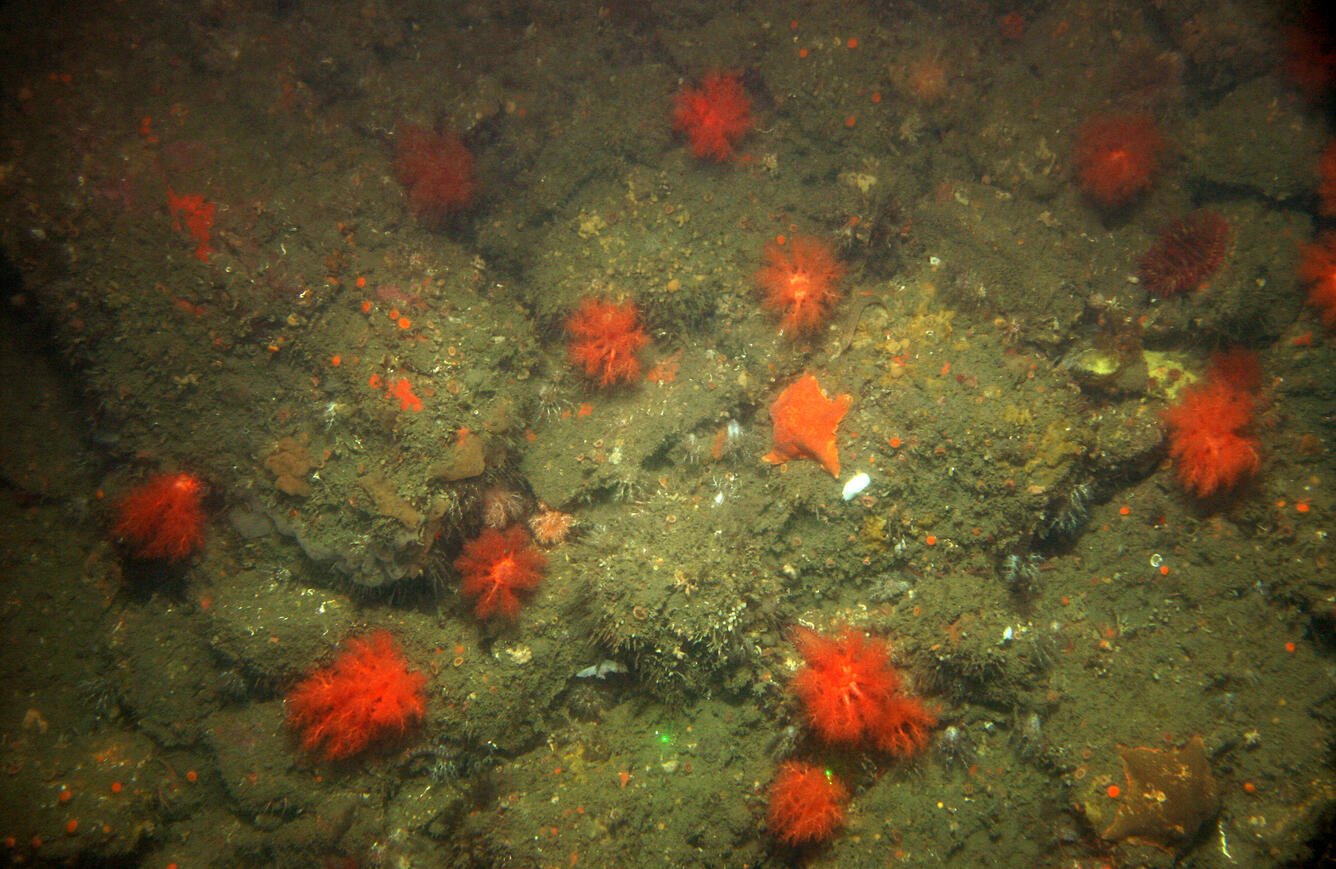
905,726
1318,270
606,339
800,281
498,567
366,695
714,116
806,803
845,684
1117,158
163,517
805,421
437,172
1207,439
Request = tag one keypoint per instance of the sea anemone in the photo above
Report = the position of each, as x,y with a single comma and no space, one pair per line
1186,253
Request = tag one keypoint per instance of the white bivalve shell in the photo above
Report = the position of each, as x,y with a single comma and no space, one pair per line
855,486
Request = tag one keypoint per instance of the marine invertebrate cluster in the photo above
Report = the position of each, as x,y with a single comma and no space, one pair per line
498,568
163,517
606,339
1117,157
367,694
1186,253
437,170
1209,437
806,803
550,526
800,280
500,506
714,116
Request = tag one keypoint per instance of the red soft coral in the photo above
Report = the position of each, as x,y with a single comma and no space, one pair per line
846,684
801,282
605,340
367,694
1117,157
806,803
714,116
498,566
163,517
438,172
1318,270
1207,438
905,726
1326,173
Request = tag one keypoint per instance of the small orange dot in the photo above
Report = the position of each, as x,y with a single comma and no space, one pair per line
853,42
191,775
1290,647
1066,600
405,323
336,361
115,787
1249,786
1114,792
876,98
366,306
1301,506
394,313
1164,570
781,240
793,25
65,795
72,826
802,52
930,540
1124,510
895,443
361,282
850,121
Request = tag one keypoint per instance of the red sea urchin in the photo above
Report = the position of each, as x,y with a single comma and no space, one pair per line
1186,253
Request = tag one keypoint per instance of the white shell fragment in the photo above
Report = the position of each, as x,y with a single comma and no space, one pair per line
856,484
601,670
